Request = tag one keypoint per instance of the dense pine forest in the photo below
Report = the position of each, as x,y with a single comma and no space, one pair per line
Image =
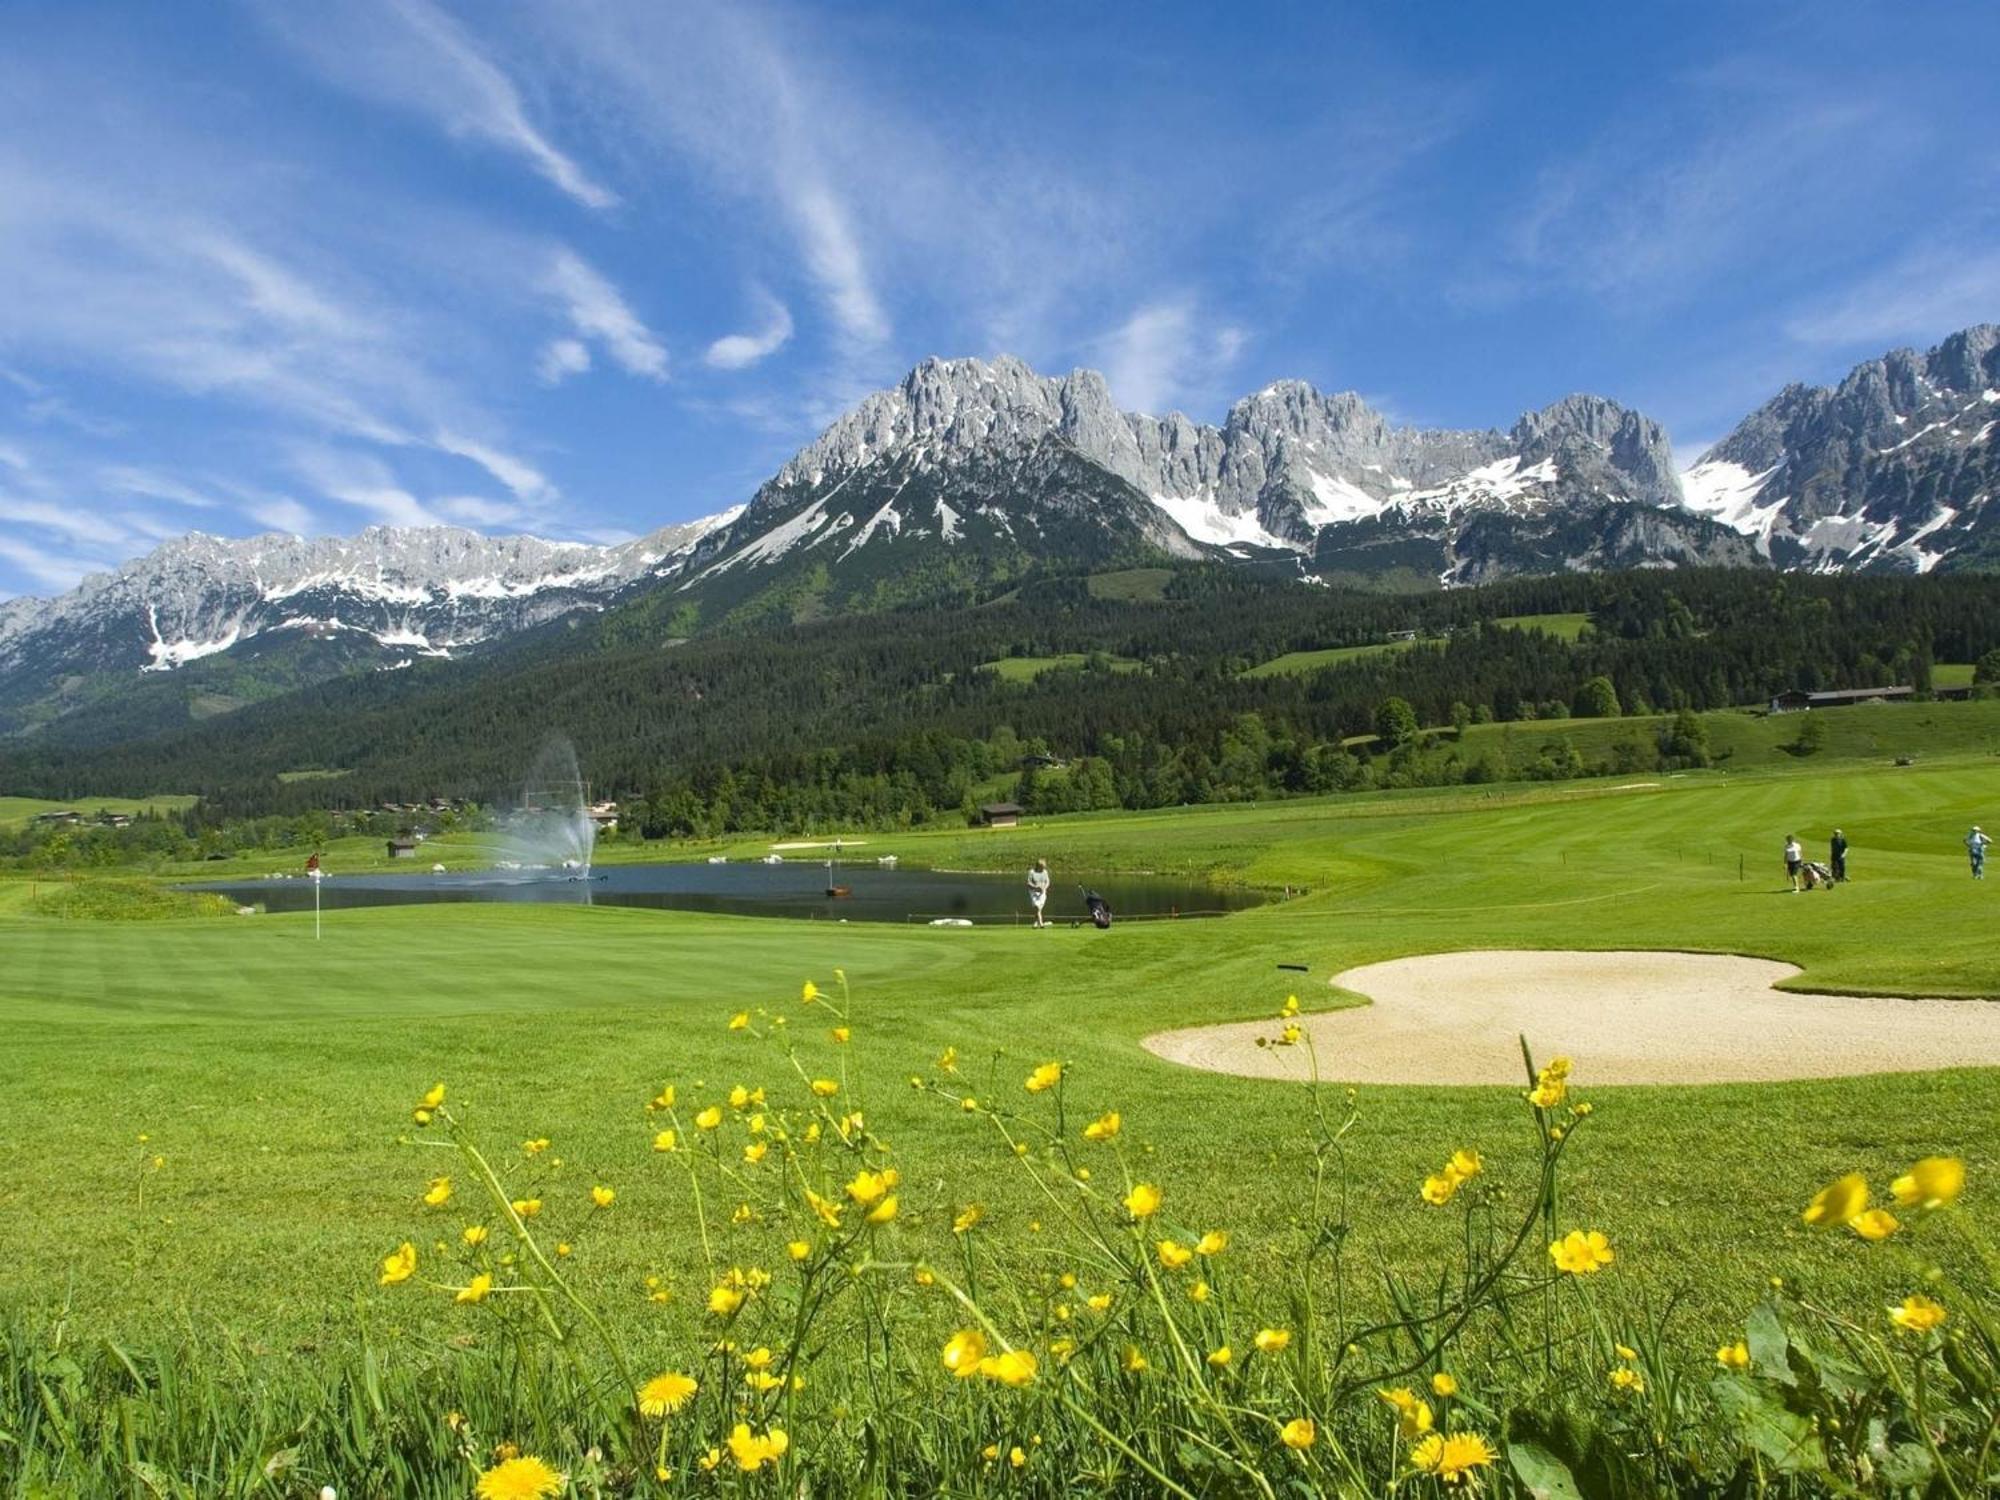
1108,700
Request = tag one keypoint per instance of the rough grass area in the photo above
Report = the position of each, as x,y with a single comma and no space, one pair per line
126,901
1564,627
1028,668
1296,663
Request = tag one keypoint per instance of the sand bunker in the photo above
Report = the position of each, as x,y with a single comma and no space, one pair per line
1623,1017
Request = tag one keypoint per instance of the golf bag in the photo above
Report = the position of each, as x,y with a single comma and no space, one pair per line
1816,875
1099,908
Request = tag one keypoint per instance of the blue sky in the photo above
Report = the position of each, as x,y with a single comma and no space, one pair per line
589,267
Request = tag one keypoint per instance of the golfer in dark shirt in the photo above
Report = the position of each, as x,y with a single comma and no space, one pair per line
1837,854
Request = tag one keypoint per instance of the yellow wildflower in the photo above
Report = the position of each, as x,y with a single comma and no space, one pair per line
1931,1183
1625,1351
825,1088
1272,1340
439,1192
1840,1202
948,1060
1047,1076
740,1020
562,1248
1444,1385
664,1099
724,1300
1143,1201
401,1266
1734,1356
666,1140
756,1151
1917,1314
476,1289
1289,1037
754,1450
666,1394
537,1146
527,1208
969,1104
808,992
1413,1413
434,1098
1104,1127
867,1186
1437,1191
1290,1007
1098,1302
1581,1253
1213,1243
1465,1163
1016,1367
709,1118
1627,1381
968,1216
1199,1292
884,1211
474,1235
1452,1459
1299,1433
1875,1224
1016,1456
1133,1361
963,1352
827,1212
1220,1357
523,1477
842,1034
799,1249
1173,1254
602,1196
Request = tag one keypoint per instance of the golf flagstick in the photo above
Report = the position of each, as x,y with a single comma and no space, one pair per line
312,869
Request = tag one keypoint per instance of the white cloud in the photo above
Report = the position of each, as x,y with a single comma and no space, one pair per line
738,351
281,514
1160,358
597,312
522,478
562,358
437,70
366,483
1918,299
54,570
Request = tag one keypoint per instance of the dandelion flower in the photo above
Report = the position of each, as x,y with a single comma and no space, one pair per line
1444,1385
1931,1183
1874,1224
666,1394
709,1118
1452,1459
1173,1254
520,1478
401,1266
1917,1314
1272,1340
1104,1127
1014,1368
666,1140
1734,1356
1839,1202
1581,1253
963,1352
602,1196
476,1289
1143,1201
439,1192
1213,1243
1299,1433
1047,1076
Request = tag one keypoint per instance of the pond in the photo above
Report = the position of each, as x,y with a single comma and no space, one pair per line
796,888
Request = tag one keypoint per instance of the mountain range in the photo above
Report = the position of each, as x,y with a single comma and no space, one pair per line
971,475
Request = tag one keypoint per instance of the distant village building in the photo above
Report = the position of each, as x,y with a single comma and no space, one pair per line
60,815
1797,699
1000,814
1402,635
402,848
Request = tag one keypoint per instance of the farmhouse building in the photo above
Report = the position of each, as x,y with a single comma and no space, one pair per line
1797,699
1000,814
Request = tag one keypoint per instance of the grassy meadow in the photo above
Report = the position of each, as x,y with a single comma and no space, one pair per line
205,1127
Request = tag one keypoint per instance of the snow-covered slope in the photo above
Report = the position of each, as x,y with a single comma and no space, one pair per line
1895,469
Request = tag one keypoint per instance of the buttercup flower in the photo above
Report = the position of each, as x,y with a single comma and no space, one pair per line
948,1060
602,1196
1047,1076
1173,1254
799,1249
1143,1201
1839,1202
709,1118
724,1300
439,1192
1213,1243
1917,1314
1220,1357
884,1211
666,1394
474,1235
808,992
752,1451
1931,1183
527,1208
1134,1361
963,1352
400,1266
1272,1340
1581,1253
825,1088
1874,1224
476,1290
1290,1007
1299,1433
1444,1384
1734,1356
434,1098
1413,1413
1104,1127
1627,1381
1452,1458
968,1216
1015,1368
519,1478
740,1020
1437,1191
867,1186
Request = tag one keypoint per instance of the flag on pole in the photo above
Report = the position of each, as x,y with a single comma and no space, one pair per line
312,864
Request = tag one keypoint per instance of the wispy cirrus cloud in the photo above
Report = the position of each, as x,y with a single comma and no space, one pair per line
1940,286
413,55
1163,356
599,314
738,351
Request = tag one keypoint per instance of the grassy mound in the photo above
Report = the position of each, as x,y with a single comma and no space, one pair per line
127,901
